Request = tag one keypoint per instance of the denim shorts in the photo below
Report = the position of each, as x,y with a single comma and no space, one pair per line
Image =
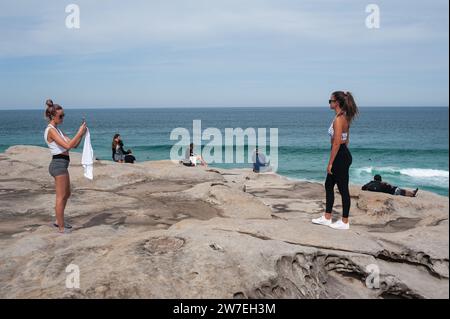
118,157
58,166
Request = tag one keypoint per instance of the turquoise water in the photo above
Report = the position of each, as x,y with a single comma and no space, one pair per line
407,146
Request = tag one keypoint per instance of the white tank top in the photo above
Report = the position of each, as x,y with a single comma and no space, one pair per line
55,149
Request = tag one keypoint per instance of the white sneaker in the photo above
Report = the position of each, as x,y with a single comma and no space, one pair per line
322,221
340,225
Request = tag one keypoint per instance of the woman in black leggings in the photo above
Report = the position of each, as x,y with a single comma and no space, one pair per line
340,158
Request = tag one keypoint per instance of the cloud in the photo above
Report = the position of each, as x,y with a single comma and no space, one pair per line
38,28
223,52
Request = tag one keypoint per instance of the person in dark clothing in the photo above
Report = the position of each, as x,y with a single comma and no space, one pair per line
345,108
129,158
377,185
118,153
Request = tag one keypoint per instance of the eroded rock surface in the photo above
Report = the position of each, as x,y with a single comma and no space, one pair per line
163,230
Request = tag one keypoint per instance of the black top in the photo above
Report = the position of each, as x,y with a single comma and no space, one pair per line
377,186
120,151
130,159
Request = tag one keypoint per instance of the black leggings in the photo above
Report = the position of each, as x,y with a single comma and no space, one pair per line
339,169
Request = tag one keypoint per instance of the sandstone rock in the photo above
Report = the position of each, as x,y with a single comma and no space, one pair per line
163,230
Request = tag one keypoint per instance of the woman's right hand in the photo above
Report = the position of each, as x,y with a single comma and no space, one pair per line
82,128
329,169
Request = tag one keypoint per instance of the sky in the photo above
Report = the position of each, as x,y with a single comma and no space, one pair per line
222,53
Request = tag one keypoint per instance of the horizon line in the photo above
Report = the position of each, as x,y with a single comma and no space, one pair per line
208,107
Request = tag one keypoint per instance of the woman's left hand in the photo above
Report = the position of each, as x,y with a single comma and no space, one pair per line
329,167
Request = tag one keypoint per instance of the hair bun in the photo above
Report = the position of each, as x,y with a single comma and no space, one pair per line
49,103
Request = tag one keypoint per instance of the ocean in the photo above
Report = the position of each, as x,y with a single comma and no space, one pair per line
408,146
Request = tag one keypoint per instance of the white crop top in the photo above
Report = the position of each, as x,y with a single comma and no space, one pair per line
55,149
331,132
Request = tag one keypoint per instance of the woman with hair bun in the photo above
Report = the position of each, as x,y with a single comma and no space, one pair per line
59,145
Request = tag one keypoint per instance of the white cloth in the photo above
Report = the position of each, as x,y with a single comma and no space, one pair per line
87,159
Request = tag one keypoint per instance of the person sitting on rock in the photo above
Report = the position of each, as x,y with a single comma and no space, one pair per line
129,158
259,160
190,159
377,185
118,153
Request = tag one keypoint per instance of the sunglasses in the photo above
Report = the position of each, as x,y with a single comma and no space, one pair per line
61,116
329,101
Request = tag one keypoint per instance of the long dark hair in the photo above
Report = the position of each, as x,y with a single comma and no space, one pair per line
51,109
114,143
347,104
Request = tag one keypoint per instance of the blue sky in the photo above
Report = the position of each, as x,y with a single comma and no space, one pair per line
191,53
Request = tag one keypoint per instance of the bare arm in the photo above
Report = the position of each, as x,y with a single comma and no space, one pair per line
67,144
337,140
69,139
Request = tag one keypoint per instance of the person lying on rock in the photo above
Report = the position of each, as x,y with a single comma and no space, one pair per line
129,157
377,185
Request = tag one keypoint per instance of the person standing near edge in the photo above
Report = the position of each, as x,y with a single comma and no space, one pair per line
345,108
59,145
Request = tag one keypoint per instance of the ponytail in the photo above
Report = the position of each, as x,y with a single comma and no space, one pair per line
351,108
347,104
